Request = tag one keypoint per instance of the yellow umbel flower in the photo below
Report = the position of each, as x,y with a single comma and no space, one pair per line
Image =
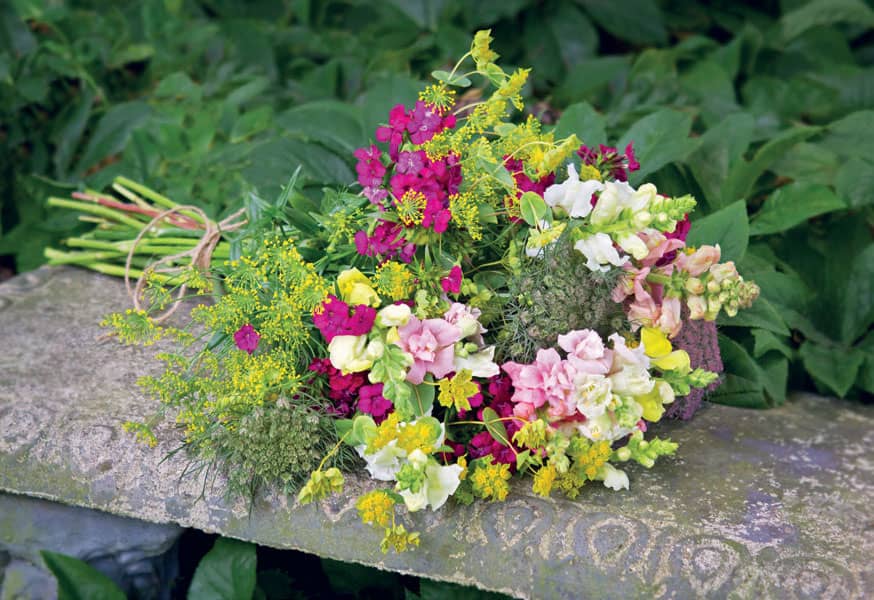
376,508
393,279
456,391
544,480
439,96
490,480
411,207
465,214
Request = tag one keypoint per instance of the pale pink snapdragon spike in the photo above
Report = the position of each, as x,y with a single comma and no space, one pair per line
431,343
699,261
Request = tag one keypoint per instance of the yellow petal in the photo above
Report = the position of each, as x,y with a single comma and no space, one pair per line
655,342
652,406
678,360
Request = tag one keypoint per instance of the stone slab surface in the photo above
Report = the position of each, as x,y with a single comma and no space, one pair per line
777,503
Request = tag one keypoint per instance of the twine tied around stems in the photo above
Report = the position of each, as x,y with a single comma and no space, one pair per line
200,255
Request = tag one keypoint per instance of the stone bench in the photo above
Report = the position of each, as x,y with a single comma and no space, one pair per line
756,504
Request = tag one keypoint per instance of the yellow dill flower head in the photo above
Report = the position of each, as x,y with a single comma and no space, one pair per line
462,462
376,508
465,214
411,207
490,480
439,96
393,279
544,480
457,390
554,157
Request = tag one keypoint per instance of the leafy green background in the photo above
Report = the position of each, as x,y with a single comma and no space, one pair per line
763,110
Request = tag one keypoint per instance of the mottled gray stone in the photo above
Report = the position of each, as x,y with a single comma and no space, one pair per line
756,504
139,556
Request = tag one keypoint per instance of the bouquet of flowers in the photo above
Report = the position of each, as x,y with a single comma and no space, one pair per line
493,303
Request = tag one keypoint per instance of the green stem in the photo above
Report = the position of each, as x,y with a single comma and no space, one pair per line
155,197
96,209
659,278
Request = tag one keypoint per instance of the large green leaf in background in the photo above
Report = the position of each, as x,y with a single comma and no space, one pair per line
227,572
77,580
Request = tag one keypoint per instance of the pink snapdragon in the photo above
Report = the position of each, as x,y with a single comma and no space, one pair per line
548,380
432,345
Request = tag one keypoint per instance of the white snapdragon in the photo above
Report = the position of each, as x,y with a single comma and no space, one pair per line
573,195
600,252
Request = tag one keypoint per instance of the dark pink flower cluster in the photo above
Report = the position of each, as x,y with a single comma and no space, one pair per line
607,158
246,338
482,444
422,123
351,392
452,282
371,172
436,180
333,318
386,243
525,183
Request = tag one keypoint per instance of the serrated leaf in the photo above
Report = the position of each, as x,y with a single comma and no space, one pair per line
495,426
227,571
793,204
77,580
858,314
727,227
835,368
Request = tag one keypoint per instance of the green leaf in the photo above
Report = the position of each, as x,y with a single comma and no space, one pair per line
766,341
825,12
858,313
835,368
851,136
583,79
727,227
636,21
810,163
775,375
251,123
495,426
584,121
721,147
333,124
866,372
423,397
449,79
761,314
854,182
112,133
793,204
227,572
77,580
745,174
130,54
532,208
659,139
740,392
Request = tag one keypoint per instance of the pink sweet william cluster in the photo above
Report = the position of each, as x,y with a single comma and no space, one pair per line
351,392
334,318
386,179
